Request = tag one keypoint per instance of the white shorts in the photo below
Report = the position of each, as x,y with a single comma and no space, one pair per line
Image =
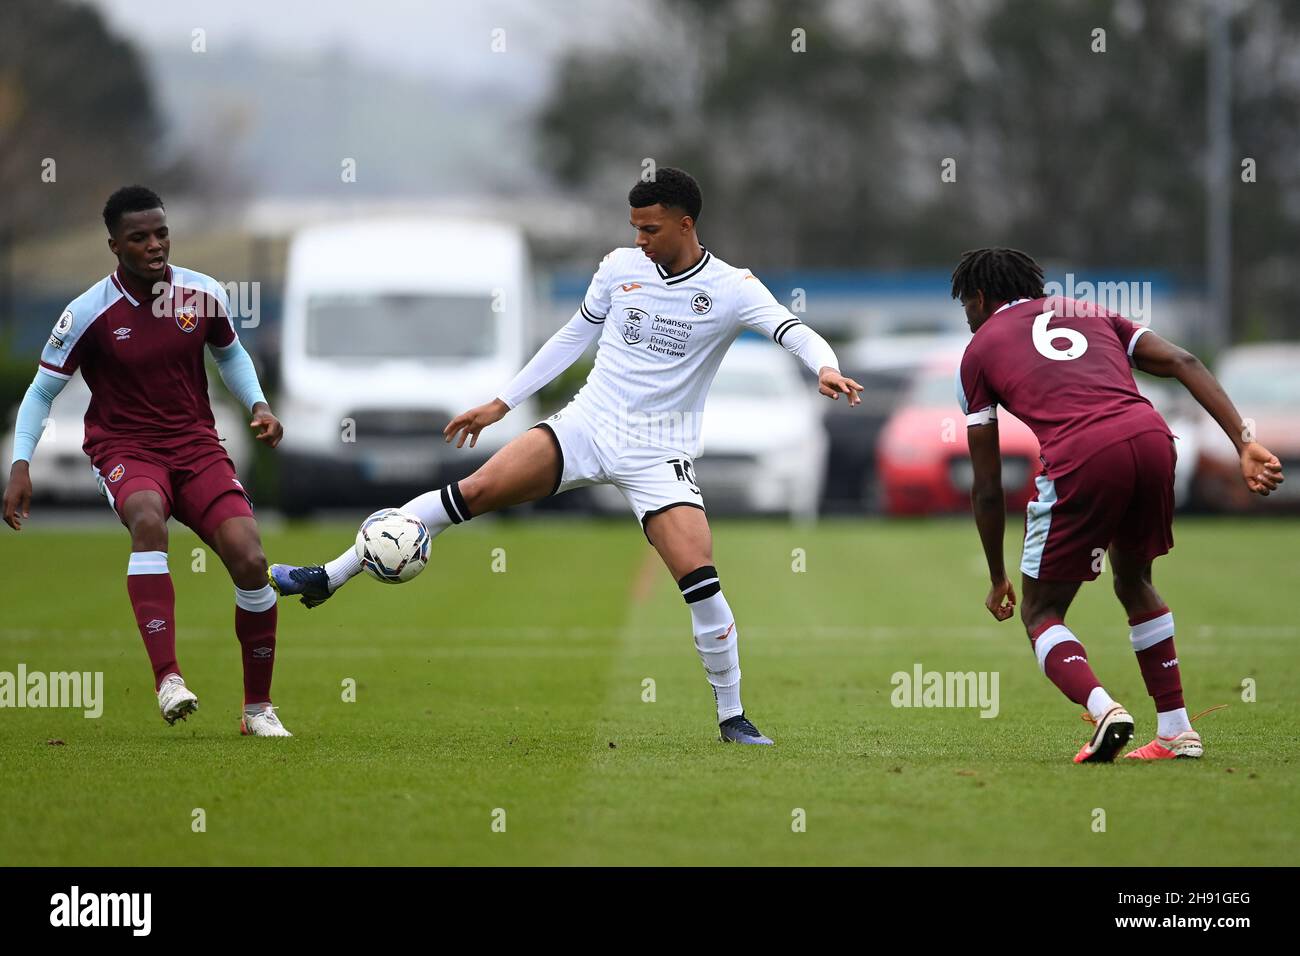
651,479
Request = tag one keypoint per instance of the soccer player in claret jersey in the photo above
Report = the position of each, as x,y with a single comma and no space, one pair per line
664,314
138,336
1063,368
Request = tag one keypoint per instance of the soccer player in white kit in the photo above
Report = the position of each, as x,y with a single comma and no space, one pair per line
665,312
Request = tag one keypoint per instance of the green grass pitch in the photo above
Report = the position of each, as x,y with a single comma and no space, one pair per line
522,690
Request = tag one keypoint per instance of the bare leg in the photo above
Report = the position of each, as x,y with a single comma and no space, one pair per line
526,469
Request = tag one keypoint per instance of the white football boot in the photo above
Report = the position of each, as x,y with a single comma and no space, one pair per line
175,700
262,723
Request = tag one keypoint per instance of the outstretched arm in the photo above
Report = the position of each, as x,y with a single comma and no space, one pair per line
816,353
236,369
758,309
560,351
1260,468
33,413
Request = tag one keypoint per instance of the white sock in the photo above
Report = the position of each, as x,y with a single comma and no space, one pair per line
343,568
256,599
1099,702
1172,722
437,509
147,562
715,638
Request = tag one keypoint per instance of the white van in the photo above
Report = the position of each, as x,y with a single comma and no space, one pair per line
390,328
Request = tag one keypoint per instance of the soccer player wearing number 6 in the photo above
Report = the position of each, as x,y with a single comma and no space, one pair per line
138,336
664,314
1063,367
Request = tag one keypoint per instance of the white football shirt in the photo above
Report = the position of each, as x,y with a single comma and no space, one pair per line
662,340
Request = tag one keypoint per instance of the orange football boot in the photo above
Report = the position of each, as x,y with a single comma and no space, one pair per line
1114,730
1185,744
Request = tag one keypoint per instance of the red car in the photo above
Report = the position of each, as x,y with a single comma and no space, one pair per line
1264,382
922,462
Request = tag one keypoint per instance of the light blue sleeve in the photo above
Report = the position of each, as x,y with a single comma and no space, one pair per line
34,412
236,368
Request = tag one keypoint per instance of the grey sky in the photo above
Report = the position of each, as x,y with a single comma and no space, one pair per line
436,38
414,91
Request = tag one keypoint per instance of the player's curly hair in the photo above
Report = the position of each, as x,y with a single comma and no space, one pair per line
129,199
1001,274
672,187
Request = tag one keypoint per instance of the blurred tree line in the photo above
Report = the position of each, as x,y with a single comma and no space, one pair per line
1086,155
78,118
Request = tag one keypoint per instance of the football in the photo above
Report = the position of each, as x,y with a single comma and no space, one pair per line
393,546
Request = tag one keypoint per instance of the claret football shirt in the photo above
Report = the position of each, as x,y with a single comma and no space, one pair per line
141,352
1063,367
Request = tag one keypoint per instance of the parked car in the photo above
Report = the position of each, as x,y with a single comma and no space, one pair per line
764,447
1264,383
62,473
884,364
1182,413
923,462
391,328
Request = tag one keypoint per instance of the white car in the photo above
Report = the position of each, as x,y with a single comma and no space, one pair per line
764,442
391,327
61,471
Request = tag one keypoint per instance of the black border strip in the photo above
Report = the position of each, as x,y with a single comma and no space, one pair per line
658,511
450,508
459,500
686,275
698,576
559,450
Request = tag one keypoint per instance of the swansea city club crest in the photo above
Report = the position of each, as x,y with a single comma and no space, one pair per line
632,333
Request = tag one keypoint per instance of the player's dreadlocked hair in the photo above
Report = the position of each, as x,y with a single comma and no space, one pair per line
672,187
129,199
1001,274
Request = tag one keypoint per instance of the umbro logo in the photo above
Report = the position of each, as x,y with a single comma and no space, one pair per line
156,625
263,652
1173,663
121,334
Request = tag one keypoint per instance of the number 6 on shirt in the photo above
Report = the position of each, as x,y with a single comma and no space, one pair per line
1043,339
